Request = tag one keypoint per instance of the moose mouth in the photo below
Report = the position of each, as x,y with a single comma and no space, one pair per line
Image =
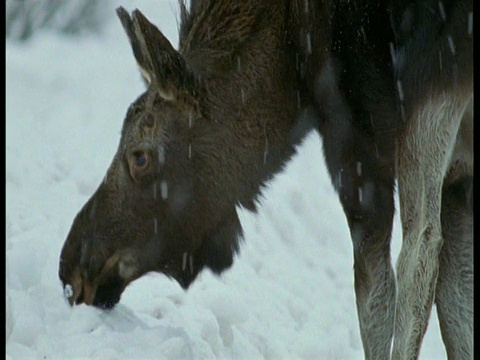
103,292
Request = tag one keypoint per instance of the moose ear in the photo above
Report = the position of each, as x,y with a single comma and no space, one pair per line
142,61
163,67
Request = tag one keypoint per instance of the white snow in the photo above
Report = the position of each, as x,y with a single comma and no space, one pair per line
289,294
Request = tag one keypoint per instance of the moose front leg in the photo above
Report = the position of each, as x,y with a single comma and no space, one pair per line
454,290
423,156
364,179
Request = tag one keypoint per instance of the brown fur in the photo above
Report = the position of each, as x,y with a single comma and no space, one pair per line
388,84
212,131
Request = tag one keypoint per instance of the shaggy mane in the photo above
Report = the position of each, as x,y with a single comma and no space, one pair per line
219,26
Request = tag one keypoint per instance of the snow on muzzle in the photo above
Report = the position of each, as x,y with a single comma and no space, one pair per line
105,289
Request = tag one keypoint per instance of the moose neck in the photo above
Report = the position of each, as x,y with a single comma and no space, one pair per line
251,99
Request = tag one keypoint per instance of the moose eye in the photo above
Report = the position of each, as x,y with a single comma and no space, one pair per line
140,160
139,163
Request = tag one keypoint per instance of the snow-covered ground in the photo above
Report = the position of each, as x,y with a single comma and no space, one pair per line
289,294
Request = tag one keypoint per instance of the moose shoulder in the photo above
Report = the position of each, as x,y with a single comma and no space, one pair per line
216,122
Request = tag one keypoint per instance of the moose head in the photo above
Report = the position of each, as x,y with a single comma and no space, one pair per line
199,141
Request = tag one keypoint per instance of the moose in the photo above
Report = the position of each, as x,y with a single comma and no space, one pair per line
389,87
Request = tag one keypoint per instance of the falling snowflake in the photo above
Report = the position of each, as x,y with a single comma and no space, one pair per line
400,90
442,10
164,190
451,44
359,168
309,44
